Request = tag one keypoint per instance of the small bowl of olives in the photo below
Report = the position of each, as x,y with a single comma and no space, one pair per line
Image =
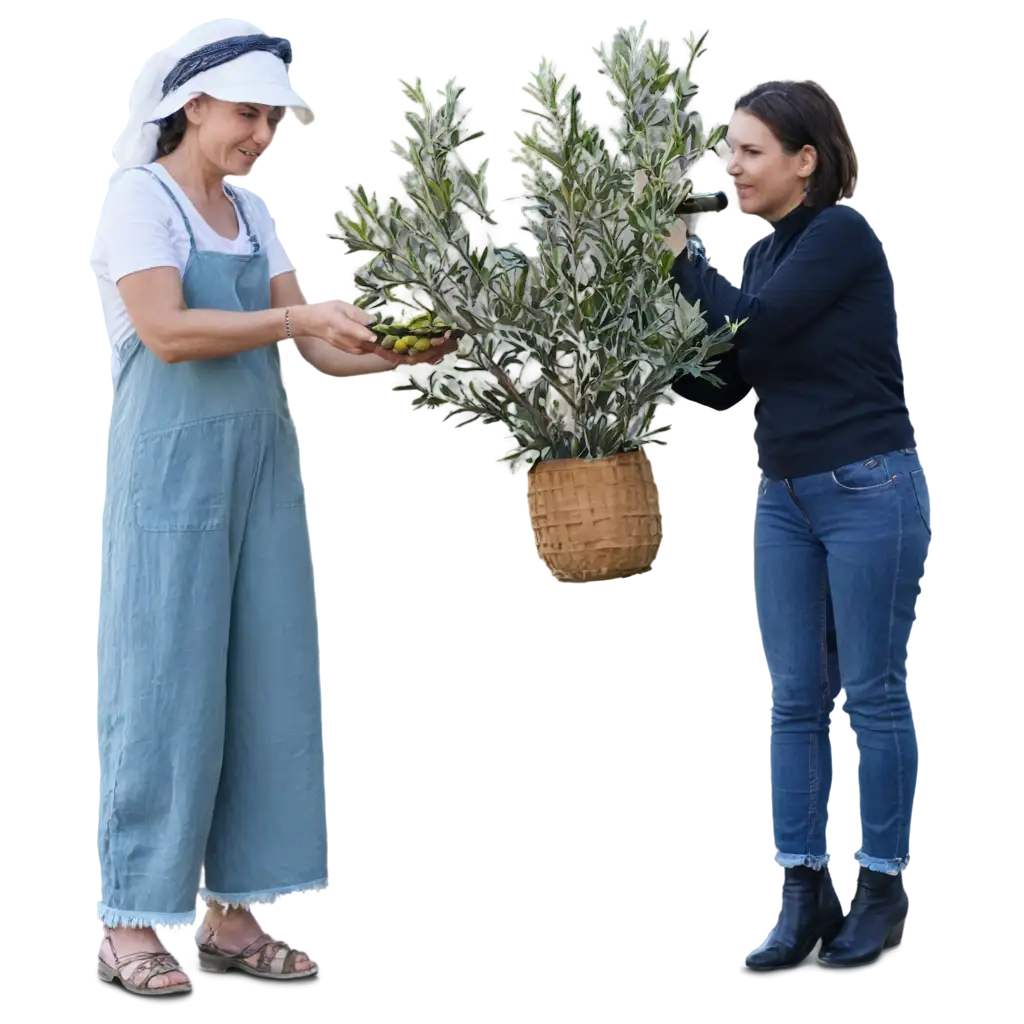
415,335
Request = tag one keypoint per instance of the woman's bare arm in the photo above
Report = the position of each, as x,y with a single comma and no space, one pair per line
174,333
285,292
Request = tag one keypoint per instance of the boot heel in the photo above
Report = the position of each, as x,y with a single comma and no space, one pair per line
897,936
105,971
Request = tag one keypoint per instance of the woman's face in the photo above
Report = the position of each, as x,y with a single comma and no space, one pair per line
232,136
769,182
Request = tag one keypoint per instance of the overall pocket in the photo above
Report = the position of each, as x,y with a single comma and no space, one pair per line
179,478
868,475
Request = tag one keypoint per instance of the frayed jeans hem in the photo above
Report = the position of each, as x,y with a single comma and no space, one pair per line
246,899
815,861
885,865
113,917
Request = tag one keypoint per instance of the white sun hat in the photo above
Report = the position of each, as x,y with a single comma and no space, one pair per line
226,59
255,76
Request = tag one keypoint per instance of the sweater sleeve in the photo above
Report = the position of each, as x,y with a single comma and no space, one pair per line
702,393
837,247
715,396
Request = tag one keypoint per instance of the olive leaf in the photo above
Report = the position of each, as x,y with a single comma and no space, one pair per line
572,349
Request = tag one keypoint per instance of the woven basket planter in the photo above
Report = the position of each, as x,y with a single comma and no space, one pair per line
595,519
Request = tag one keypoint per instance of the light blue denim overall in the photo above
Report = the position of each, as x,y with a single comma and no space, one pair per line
211,753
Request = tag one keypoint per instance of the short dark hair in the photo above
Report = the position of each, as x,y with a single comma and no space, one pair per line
802,114
172,131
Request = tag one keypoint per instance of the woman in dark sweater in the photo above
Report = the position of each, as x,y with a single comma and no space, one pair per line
843,521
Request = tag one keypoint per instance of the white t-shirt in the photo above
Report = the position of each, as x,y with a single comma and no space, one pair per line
141,228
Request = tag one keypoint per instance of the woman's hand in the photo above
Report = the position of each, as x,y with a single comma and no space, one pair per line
682,241
344,326
332,360
334,338
340,324
677,236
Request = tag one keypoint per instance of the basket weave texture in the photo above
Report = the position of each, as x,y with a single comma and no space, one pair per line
595,519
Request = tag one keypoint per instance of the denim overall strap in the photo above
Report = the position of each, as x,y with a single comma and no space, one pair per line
174,199
237,200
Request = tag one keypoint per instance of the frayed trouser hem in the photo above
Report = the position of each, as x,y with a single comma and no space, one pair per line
815,861
262,900
246,899
885,865
114,917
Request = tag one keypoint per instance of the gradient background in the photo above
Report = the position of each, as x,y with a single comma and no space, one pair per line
486,728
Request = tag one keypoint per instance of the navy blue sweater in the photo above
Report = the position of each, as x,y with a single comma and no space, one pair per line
819,348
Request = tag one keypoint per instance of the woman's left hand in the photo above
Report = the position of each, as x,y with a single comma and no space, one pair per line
677,236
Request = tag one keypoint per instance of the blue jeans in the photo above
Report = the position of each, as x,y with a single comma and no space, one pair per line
839,558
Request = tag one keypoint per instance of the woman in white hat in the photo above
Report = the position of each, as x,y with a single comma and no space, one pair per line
209,693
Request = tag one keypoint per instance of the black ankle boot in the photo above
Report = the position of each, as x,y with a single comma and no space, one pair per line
810,911
875,921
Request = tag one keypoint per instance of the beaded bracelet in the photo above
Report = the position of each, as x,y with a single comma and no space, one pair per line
287,323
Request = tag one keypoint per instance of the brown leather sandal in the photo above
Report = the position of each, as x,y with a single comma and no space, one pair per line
147,967
274,959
